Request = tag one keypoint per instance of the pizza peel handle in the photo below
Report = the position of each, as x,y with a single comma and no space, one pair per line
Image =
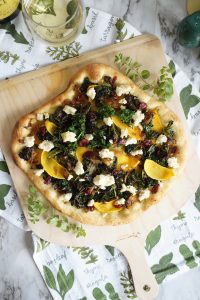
145,283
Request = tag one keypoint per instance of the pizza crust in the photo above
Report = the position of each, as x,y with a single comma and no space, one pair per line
95,72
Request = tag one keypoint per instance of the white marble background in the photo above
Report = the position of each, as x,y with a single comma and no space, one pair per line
19,277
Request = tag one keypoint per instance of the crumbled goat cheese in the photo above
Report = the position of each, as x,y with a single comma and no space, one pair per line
131,141
123,89
38,172
29,141
42,116
161,139
91,93
138,117
69,177
124,133
79,168
173,163
69,110
144,194
121,201
46,115
111,141
46,145
128,188
106,153
69,136
122,101
136,152
65,197
91,202
108,121
88,137
103,181
81,179
122,107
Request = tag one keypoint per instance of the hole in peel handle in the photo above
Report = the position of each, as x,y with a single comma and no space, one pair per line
145,283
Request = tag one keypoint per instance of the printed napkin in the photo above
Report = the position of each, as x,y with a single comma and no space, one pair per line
99,272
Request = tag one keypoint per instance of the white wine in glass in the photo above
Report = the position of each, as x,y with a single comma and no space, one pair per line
55,21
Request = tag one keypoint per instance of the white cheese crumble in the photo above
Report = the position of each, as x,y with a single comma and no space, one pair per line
42,116
108,121
106,153
69,110
103,181
46,115
88,137
128,188
91,202
81,179
173,163
29,141
136,152
122,107
161,139
122,101
79,168
144,194
120,201
138,117
111,141
123,89
91,93
69,136
65,197
124,133
39,117
131,141
69,177
38,172
46,145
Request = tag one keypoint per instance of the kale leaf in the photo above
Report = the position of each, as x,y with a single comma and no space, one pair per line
126,115
105,111
168,131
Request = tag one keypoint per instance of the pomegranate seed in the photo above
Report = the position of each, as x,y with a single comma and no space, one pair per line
128,203
47,180
88,191
114,79
117,205
122,141
146,143
173,150
143,106
155,188
90,208
83,142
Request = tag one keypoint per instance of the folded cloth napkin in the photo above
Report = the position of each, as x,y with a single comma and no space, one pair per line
99,272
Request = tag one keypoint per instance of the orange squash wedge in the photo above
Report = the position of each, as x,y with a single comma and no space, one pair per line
106,207
156,171
80,151
52,167
50,127
132,132
156,122
124,159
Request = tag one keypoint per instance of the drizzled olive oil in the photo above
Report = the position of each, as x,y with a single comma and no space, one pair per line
55,21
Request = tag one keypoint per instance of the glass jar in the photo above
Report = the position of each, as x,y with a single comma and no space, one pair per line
57,22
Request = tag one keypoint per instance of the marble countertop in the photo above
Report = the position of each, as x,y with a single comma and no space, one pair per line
19,276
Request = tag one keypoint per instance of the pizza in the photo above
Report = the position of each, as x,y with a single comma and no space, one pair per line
103,151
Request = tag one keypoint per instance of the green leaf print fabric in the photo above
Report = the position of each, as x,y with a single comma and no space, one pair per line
100,272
